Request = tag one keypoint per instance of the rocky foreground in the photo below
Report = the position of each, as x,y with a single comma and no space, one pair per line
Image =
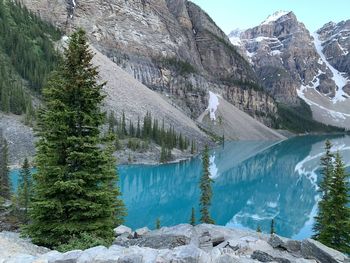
182,243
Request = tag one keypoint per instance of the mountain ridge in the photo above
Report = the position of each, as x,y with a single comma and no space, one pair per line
294,64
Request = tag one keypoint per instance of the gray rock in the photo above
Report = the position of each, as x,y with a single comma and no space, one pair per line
186,254
68,257
166,241
311,249
262,256
141,232
49,257
227,259
284,243
20,259
266,257
88,255
120,230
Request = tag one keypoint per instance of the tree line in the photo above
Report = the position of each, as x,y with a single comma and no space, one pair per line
149,129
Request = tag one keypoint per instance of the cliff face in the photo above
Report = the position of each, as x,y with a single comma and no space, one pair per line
282,51
293,64
335,39
171,46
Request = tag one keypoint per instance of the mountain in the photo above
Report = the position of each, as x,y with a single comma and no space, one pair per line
171,46
293,64
183,56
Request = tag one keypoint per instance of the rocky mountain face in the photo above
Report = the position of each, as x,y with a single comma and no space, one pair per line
336,45
171,46
291,64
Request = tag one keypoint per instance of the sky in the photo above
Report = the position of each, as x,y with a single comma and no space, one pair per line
244,14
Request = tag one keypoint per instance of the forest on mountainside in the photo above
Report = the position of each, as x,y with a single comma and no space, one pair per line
27,56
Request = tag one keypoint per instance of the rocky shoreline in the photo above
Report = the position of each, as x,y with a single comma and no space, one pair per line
181,244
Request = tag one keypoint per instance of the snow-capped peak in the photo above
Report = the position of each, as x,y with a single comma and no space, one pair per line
235,37
274,17
236,32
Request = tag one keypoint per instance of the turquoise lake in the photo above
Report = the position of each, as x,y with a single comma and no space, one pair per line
253,183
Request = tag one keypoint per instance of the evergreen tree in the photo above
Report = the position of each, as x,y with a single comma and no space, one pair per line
258,229
272,228
24,190
163,154
112,122
193,217
5,186
158,223
336,231
206,190
75,191
123,127
138,129
193,147
322,219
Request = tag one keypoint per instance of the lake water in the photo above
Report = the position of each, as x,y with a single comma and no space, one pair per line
253,183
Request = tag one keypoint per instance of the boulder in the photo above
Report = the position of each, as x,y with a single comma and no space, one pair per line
89,255
284,243
68,257
141,232
120,230
20,259
162,241
311,249
186,254
262,256
266,257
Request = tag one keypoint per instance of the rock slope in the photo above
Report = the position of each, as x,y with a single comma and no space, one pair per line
224,119
20,138
182,243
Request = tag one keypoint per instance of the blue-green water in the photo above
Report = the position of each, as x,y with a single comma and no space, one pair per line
254,182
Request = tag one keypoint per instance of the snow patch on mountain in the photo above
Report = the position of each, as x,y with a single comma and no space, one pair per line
338,77
336,115
213,105
235,37
274,17
213,169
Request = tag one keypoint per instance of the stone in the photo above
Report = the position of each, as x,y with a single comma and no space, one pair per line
266,257
20,259
311,249
188,254
141,232
50,256
262,256
88,255
68,257
284,243
163,241
227,259
120,230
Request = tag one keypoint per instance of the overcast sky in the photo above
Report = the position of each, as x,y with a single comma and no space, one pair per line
243,14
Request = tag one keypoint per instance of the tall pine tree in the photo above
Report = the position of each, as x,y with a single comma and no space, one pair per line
322,218
193,217
75,191
206,190
336,233
5,187
24,190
